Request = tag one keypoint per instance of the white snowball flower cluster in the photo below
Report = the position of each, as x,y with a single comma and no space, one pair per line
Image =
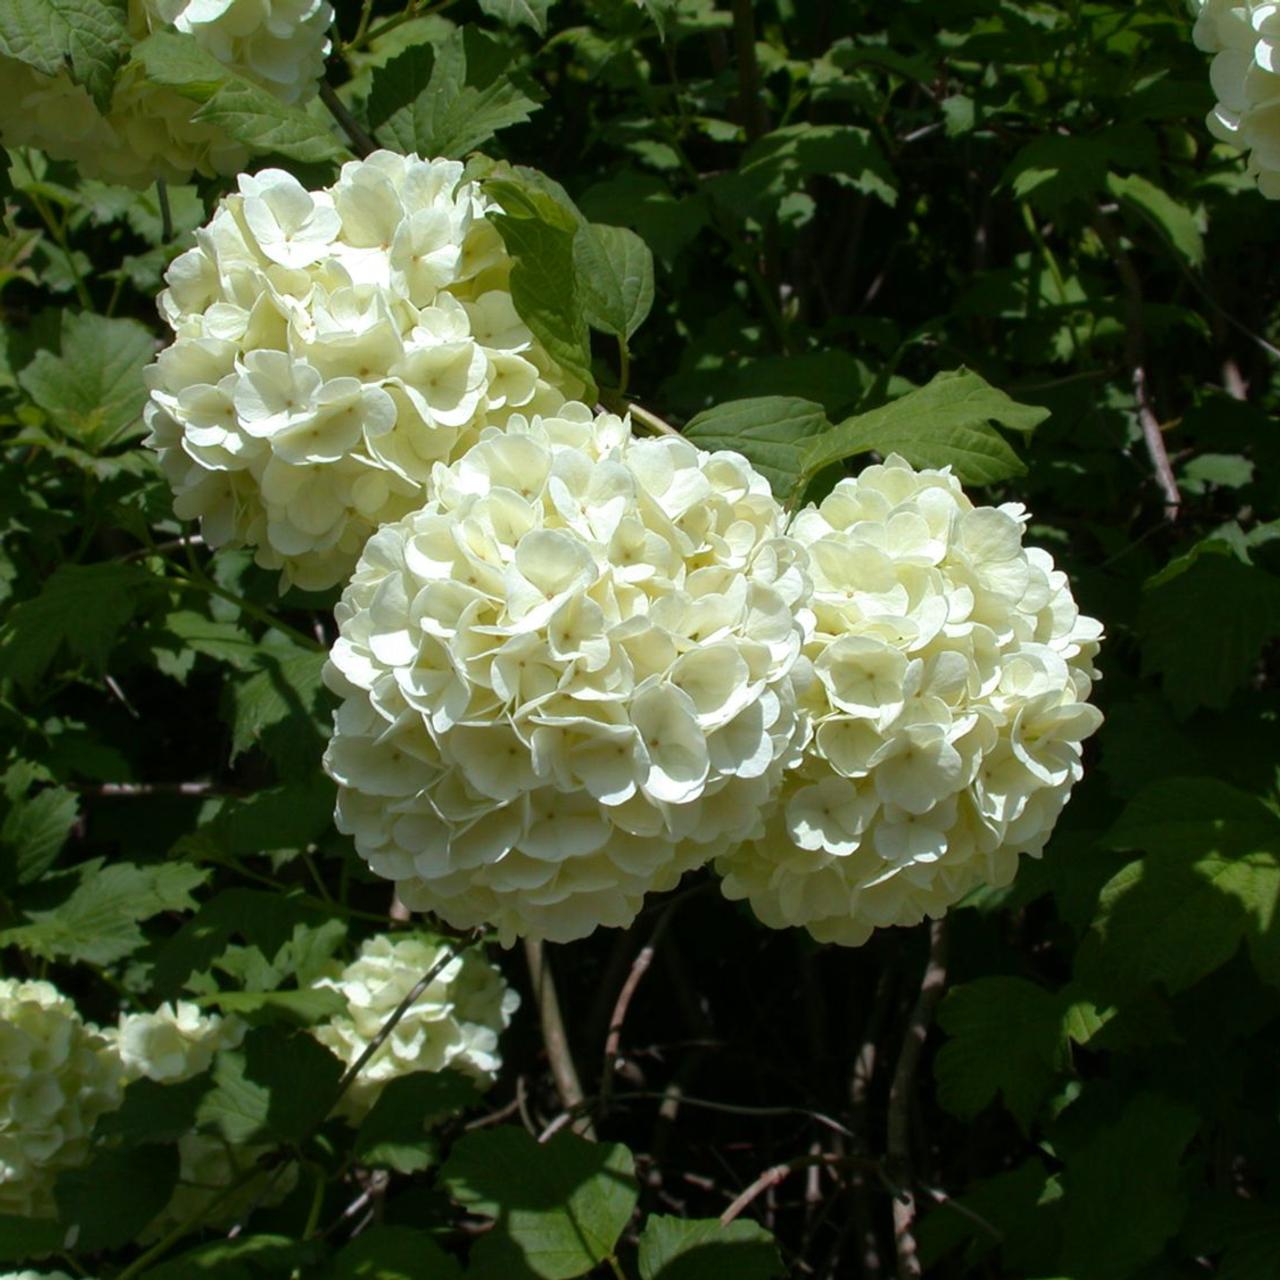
568,678
58,1074
1244,37
174,1043
147,131
331,347
454,1024
951,671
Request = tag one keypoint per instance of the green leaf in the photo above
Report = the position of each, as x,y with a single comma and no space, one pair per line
34,831
770,431
394,1253
1007,1038
448,98
945,423
395,1132
154,1112
245,111
781,162
93,391
616,270
539,233
245,1258
1203,621
300,1007
98,921
702,1249
268,921
559,1207
1012,1212
269,821
90,37
1174,221
1209,880
81,607
282,708
1122,1195
529,13
25,1238
116,1194
276,1087
185,633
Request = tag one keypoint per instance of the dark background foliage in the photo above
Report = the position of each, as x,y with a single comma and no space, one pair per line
842,200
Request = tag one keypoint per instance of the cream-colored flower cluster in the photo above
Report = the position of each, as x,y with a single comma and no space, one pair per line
147,131
58,1074
568,678
951,671
1244,37
453,1025
331,347
173,1044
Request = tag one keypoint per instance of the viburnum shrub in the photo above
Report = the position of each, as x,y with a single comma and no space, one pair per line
554,572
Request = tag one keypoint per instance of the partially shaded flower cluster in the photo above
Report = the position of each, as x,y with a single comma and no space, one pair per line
568,677
174,1043
453,1025
952,670
1244,37
58,1074
330,348
147,131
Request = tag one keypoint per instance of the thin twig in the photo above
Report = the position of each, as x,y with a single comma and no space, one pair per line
554,1036
750,103
349,1076
613,1041
780,1172
166,214
651,421
364,145
1135,354
132,790
900,1094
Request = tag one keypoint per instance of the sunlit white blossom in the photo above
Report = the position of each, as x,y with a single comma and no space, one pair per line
567,678
331,347
952,671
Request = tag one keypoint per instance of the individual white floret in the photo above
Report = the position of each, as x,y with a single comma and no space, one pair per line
568,678
330,348
174,1043
951,671
454,1025
1244,36
58,1074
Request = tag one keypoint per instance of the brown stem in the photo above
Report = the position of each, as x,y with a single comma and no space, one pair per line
554,1036
898,1143
780,1172
1135,354
364,145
